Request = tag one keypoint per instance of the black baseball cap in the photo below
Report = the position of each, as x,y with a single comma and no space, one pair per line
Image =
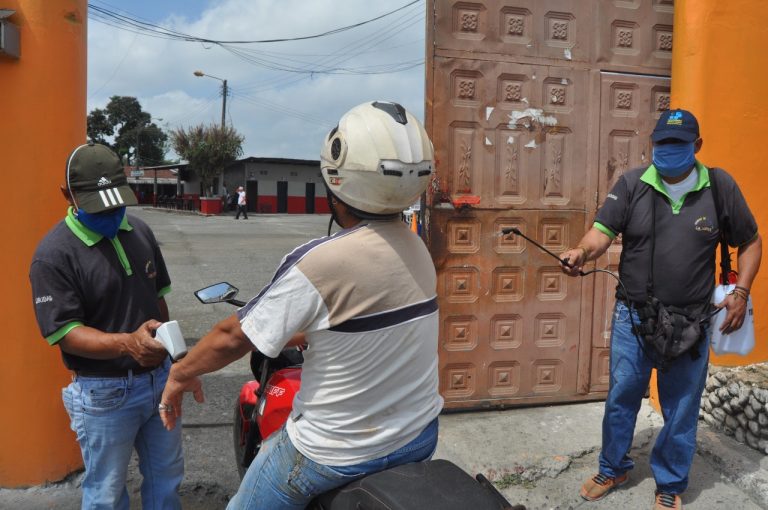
678,124
96,180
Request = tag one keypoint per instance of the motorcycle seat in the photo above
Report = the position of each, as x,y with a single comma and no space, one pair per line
431,485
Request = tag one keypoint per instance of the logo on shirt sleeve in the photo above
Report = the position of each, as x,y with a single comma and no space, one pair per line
149,269
612,196
39,300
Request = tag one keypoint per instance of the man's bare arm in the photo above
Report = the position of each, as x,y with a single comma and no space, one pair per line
592,245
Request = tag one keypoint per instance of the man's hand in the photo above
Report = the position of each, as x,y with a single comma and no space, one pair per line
224,344
576,258
736,309
141,346
175,387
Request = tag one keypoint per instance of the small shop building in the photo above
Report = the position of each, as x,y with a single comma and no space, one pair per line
272,186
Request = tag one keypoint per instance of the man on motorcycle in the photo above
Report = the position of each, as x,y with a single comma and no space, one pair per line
364,301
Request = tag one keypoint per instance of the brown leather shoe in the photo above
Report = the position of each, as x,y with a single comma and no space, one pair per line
666,501
600,485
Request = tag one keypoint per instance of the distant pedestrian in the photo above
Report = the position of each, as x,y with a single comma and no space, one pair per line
241,204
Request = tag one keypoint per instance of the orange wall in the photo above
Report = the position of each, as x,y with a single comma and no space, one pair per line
42,117
720,72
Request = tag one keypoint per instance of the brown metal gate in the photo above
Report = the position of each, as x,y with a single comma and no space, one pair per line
535,107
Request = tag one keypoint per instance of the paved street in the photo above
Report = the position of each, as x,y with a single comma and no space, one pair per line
541,455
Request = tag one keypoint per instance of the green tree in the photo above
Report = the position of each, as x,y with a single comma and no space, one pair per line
99,128
208,149
130,127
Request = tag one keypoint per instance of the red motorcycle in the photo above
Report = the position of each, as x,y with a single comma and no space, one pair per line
265,403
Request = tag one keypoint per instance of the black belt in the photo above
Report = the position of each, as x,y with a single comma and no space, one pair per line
114,373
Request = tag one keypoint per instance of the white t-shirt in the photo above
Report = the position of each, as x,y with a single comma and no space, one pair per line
366,299
677,190
241,198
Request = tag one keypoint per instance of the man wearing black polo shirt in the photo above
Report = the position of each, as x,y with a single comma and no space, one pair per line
674,197
98,281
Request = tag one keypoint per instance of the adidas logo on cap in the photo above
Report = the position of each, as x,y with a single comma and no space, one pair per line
103,182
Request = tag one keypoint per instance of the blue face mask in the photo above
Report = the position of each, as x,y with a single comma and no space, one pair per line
673,159
105,223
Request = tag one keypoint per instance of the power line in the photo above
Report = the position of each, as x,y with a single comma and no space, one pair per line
291,112
348,52
160,31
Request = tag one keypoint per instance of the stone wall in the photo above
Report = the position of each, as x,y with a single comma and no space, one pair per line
735,401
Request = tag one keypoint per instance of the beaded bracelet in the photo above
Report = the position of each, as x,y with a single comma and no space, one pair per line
740,293
746,290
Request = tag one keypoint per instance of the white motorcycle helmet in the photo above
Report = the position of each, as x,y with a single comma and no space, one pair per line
378,160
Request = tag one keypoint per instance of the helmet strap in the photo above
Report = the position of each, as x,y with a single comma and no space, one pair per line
357,213
331,205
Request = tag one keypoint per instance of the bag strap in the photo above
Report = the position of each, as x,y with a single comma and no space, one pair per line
725,256
649,283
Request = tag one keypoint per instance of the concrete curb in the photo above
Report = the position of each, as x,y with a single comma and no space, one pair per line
179,211
747,469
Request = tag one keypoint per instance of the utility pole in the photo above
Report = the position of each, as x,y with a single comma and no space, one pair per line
224,93
224,104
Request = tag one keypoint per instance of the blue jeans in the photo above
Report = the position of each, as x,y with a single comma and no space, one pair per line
281,478
112,416
680,389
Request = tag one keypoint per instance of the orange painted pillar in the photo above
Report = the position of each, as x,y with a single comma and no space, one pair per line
719,73
42,117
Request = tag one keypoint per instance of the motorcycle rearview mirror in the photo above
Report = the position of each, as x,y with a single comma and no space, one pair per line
218,293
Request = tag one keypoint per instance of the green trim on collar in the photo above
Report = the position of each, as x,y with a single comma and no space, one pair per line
124,225
85,234
652,177
122,256
162,292
605,230
60,333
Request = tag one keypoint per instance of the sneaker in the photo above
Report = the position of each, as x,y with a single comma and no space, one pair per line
667,501
600,485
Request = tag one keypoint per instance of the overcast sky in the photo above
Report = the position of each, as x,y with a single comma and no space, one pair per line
280,113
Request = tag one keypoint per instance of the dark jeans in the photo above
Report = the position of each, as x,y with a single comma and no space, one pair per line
241,209
680,391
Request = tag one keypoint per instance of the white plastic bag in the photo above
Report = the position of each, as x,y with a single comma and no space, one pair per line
741,341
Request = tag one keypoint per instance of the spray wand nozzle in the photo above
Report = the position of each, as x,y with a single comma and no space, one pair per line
514,230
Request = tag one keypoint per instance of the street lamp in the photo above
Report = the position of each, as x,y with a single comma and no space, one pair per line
223,109
223,95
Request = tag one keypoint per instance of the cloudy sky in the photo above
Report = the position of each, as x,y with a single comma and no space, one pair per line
284,96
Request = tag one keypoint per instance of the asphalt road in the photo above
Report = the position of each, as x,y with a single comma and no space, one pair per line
200,251
540,455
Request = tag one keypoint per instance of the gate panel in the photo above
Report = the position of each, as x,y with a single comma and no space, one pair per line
508,314
525,108
533,29
630,106
634,35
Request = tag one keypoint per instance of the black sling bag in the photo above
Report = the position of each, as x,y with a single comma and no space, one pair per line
671,331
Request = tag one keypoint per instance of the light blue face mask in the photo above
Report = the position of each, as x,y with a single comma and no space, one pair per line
674,159
106,223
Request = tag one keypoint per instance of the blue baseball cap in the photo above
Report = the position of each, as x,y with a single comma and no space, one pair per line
678,124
